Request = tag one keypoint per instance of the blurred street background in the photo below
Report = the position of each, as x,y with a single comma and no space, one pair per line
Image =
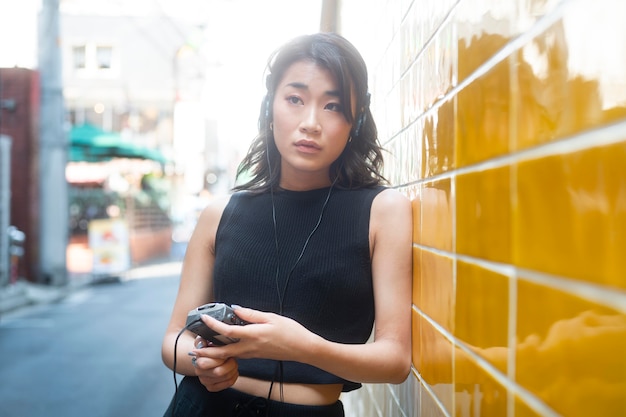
95,352
119,121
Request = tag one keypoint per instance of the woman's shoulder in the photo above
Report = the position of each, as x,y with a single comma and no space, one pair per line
391,216
230,203
212,212
388,195
390,201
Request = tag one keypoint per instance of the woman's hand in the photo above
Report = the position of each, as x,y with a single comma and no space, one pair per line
267,336
214,374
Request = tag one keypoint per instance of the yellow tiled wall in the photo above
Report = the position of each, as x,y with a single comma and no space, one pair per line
506,126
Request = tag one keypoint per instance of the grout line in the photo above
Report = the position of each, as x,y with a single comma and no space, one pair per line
604,295
379,63
377,405
512,340
602,136
529,398
540,26
608,296
433,36
426,386
511,386
501,268
396,400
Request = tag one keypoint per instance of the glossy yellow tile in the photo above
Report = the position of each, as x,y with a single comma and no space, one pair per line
571,208
569,83
529,11
412,34
415,339
483,117
483,214
570,351
437,205
438,140
417,276
483,28
482,311
523,409
481,395
416,210
436,355
437,54
437,288
512,173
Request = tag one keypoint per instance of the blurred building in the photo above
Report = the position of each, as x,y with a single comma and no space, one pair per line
19,124
134,70
127,70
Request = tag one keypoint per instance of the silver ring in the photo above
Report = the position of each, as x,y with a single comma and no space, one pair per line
193,361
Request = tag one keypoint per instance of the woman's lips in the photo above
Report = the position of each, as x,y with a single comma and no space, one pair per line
307,146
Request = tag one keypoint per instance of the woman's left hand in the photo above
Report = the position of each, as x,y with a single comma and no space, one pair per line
214,374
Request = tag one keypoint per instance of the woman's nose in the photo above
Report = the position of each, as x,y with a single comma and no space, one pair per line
310,121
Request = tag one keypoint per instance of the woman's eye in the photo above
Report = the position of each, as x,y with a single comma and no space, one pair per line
334,107
294,100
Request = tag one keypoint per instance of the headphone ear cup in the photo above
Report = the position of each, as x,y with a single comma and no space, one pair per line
362,116
359,123
267,106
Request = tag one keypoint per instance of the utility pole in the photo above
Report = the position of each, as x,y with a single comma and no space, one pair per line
330,21
53,192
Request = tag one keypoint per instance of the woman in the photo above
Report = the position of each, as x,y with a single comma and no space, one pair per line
313,246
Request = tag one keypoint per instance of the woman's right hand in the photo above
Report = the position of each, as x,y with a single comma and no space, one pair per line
214,374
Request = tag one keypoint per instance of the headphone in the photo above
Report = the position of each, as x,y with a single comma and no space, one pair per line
359,122
267,102
362,118
267,105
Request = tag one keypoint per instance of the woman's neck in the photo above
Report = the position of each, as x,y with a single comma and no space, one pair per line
301,184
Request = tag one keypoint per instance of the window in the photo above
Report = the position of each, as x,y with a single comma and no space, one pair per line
104,55
79,56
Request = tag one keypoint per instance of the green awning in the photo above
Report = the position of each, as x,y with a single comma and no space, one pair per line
91,144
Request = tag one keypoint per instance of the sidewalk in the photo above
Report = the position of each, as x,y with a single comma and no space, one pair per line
23,293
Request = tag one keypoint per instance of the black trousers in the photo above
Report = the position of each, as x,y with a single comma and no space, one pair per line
193,400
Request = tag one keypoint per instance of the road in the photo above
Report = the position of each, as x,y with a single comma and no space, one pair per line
96,353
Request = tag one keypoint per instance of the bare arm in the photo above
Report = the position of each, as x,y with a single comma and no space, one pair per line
388,358
195,289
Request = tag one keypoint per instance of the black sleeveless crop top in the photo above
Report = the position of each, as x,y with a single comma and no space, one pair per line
329,291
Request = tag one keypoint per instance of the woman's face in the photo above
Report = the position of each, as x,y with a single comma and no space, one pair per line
309,127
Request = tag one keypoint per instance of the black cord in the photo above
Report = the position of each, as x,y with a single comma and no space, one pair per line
175,360
281,294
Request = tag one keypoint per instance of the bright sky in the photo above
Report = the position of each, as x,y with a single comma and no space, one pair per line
18,33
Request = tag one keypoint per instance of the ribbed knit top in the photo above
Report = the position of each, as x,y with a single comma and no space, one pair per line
329,291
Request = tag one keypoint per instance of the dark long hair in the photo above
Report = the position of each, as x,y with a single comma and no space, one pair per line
360,164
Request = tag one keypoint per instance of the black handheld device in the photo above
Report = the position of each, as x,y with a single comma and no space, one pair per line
218,311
